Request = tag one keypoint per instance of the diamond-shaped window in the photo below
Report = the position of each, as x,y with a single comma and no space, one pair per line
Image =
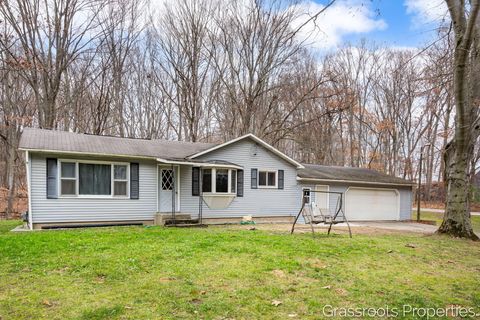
167,179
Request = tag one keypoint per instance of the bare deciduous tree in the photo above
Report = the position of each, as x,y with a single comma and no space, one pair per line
459,151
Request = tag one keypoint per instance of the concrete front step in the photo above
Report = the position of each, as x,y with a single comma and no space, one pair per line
164,218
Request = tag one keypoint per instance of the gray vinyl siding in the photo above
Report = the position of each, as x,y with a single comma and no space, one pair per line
256,202
405,194
92,209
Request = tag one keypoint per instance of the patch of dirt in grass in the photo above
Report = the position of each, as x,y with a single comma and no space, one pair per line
278,273
316,263
61,270
100,278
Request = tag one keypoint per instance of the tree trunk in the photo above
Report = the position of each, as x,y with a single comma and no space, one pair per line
10,168
459,151
456,220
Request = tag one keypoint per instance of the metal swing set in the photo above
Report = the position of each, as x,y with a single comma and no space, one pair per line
313,214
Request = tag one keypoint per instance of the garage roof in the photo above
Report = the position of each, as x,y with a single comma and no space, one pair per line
315,172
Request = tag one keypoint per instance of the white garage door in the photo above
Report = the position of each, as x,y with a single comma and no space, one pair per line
372,204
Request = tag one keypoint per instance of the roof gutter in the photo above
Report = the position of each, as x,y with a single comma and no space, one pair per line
199,164
86,153
356,181
177,162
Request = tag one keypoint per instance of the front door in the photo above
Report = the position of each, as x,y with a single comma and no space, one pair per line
168,189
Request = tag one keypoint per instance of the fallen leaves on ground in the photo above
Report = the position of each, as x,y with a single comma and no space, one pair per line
341,292
47,303
276,303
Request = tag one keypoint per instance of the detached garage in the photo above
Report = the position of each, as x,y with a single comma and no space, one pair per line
368,194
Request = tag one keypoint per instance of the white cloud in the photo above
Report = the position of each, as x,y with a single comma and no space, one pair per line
427,11
343,18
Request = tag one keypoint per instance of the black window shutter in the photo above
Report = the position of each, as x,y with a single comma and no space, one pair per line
239,183
281,178
134,180
254,179
52,172
195,181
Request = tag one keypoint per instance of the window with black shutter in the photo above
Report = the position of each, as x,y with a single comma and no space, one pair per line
195,181
134,181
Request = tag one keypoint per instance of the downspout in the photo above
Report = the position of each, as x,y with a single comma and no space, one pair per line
200,196
29,190
173,195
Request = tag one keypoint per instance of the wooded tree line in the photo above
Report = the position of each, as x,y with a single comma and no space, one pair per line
201,70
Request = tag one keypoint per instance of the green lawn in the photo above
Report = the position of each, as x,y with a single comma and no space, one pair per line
220,272
438,218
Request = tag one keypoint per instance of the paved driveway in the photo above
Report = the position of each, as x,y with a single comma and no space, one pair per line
388,226
371,227
366,227
397,226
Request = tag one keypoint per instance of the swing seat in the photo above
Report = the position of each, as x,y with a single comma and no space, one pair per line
329,216
312,214
317,221
309,216
321,215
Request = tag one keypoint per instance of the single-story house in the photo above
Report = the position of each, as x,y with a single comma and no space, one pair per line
77,179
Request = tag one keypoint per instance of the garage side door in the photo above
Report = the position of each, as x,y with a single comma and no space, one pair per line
372,204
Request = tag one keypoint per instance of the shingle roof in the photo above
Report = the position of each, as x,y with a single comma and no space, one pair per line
54,140
62,141
335,173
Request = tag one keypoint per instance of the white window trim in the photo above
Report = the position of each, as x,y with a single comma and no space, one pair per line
77,179
60,179
214,182
266,179
127,180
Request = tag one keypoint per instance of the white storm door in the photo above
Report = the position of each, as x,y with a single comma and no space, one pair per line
168,190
